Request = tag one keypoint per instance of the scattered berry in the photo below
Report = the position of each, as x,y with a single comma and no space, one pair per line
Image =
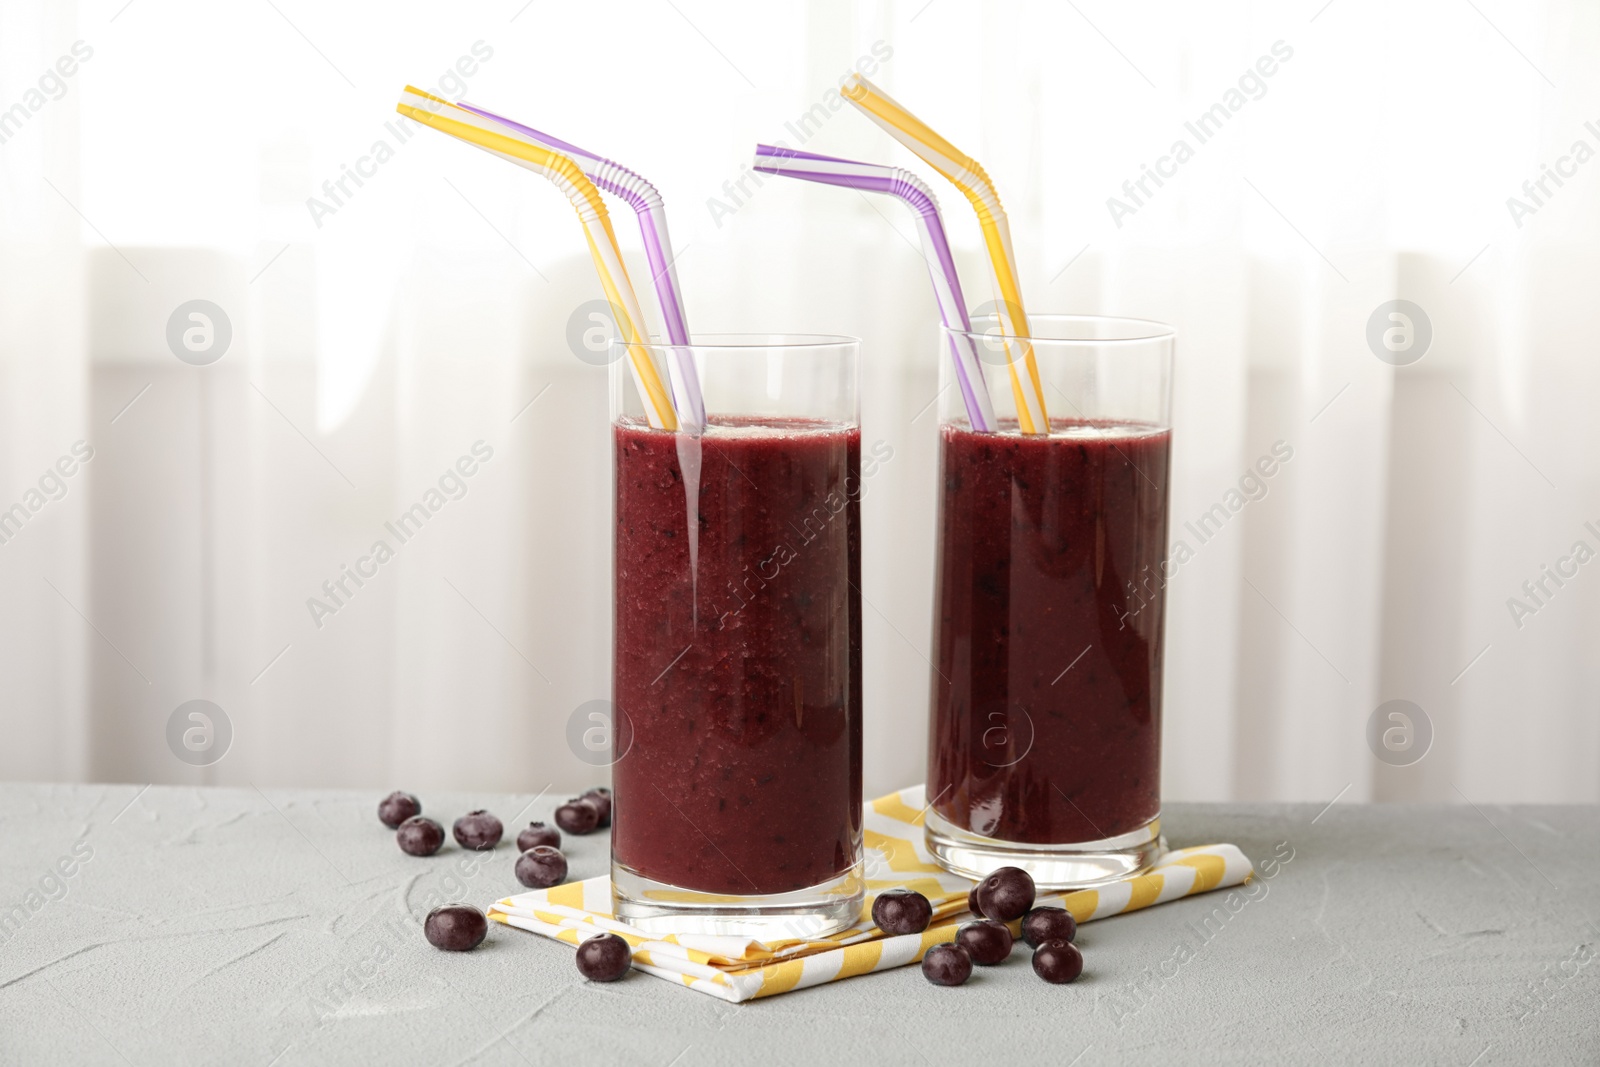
478,830
947,964
579,815
541,867
455,927
1048,924
901,911
604,958
538,834
397,807
1006,894
972,903
1057,961
600,797
419,836
986,941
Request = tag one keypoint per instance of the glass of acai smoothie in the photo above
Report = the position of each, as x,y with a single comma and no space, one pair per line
1045,735
737,645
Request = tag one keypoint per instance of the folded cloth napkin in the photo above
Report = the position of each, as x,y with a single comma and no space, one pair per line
737,969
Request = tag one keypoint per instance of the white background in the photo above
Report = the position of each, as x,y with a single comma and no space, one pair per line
424,314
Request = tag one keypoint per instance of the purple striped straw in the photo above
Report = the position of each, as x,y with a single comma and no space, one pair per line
902,184
646,202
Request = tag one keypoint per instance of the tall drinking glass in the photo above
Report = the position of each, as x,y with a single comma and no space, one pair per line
1045,743
737,645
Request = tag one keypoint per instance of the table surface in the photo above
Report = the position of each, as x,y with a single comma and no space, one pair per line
275,927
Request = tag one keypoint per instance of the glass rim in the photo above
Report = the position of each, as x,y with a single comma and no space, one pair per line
1137,331
746,342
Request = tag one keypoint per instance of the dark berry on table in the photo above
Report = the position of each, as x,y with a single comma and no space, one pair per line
972,903
604,958
578,816
478,830
986,941
538,834
1048,924
1006,894
455,927
947,964
419,836
541,867
1057,961
600,797
901,911
397,807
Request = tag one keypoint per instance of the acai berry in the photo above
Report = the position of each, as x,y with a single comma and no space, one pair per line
600,797
541,867
1048,924
419,836
901,911
397,807
579,815
604,958
947,964
478,830
538,834
455,927
988,942
1057,961
1006,894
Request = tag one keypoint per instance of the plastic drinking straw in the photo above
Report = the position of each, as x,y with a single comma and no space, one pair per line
568,176
897,182
968,175
646,202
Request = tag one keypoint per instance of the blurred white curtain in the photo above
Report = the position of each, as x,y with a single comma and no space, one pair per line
426,312
43,635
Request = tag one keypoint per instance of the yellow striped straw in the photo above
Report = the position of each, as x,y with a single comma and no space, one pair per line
445,117
967,174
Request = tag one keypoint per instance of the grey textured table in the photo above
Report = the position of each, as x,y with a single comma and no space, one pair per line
241,926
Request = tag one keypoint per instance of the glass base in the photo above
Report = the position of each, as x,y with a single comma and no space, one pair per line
816,911
1079,865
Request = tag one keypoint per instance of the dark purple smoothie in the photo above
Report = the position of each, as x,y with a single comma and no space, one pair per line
1048,622
739,688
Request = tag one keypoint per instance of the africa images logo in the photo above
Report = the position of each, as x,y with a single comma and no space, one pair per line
337,191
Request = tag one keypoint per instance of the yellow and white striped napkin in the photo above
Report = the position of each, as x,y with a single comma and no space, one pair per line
737,969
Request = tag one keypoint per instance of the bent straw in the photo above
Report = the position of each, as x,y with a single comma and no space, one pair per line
646,202
967,174
642,196
876,178
447,118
